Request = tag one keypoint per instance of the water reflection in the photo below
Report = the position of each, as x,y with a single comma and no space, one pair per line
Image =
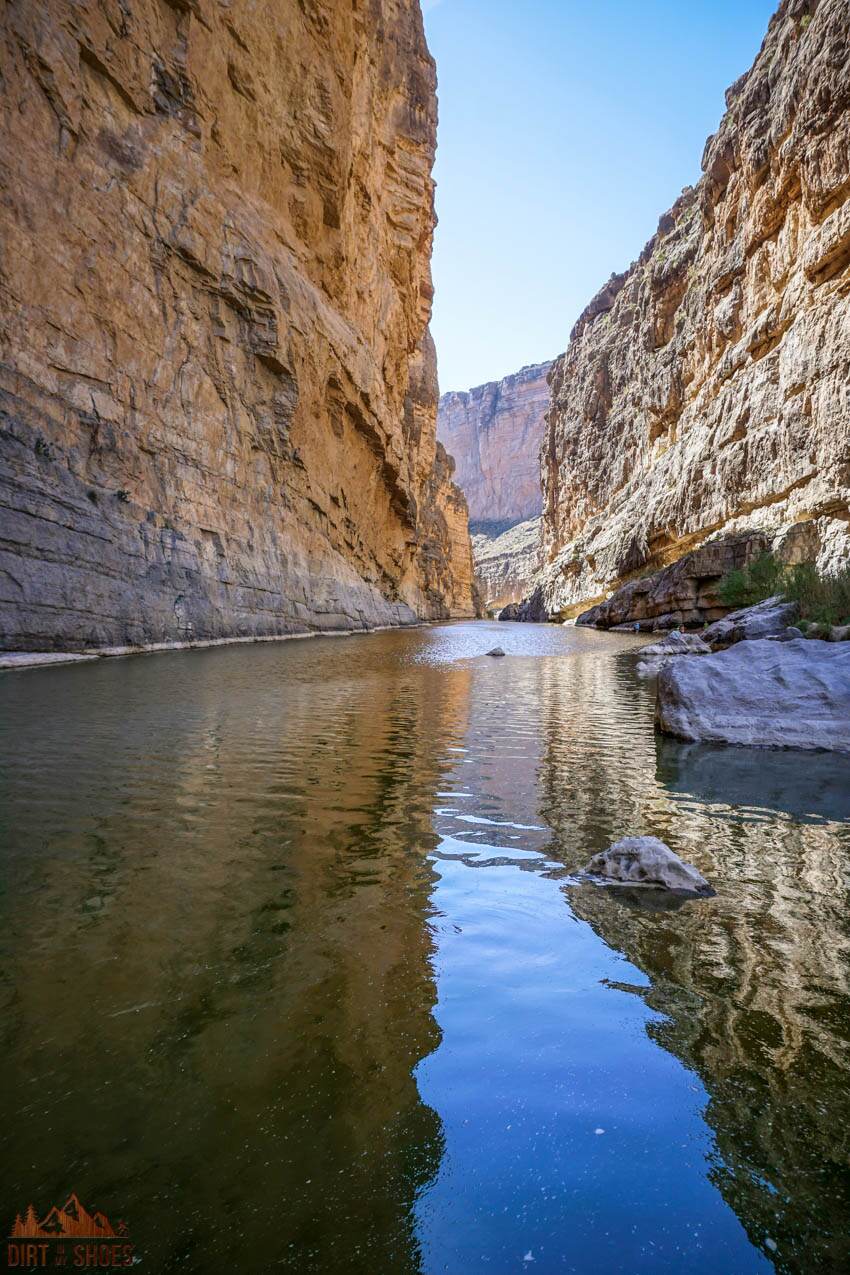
295,971
215,951
753,985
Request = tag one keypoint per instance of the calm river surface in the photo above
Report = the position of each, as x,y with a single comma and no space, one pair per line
295,974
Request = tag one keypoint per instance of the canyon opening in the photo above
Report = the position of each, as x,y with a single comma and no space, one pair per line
425,635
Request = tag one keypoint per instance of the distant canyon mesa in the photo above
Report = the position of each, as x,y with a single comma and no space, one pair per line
494,433
217,382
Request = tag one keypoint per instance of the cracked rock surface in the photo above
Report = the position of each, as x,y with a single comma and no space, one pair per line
764,693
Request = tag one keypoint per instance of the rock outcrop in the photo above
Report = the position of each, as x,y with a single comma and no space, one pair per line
768,619
673,646
681,595
494,433
506,565
647,861
218,387
765,693
705,390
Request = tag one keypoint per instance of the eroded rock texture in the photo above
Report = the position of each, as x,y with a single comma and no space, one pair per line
218,387
494,433
707,389
505,565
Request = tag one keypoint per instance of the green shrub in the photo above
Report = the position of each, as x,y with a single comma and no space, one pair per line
823,599
761,579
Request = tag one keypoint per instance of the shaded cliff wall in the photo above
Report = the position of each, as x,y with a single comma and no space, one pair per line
494,433
705,390
506,565
218,386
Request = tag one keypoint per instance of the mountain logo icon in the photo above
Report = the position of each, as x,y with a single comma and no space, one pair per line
72,1221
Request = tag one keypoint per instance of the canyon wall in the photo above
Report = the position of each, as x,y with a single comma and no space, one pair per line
218,386
507,564
706,391
494,433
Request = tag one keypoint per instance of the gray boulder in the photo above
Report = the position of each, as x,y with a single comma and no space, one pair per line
839,633
497,650
655,656
676,644
647,861
764,693
766,619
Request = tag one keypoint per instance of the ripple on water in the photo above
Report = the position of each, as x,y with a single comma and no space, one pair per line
283,926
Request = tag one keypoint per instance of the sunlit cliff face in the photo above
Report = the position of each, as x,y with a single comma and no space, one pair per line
217,376
705,389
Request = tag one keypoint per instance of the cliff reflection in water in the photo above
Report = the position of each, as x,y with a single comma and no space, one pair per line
292,975
217,981
753,985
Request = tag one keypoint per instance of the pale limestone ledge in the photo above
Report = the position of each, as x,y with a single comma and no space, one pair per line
12,660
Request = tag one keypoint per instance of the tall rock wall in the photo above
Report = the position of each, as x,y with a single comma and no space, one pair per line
707,389
217,386
494,434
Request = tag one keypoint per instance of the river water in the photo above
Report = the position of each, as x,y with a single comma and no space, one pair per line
296,974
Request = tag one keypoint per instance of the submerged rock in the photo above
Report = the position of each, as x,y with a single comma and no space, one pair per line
497,650
763,693
647,861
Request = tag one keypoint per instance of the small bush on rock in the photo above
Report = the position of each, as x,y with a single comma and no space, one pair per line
823,599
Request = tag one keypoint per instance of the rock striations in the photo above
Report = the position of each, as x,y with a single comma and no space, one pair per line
505,565
218,386
705,390
494,433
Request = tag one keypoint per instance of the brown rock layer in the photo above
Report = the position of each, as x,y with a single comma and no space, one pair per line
494,434
704,391
218,387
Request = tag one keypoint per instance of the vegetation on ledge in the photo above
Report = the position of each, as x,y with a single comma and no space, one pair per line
823,599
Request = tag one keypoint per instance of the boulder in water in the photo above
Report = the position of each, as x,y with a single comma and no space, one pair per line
497,650
647,861
676,644
764,693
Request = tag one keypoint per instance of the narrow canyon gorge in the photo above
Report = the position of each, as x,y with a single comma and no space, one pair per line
705,391
494,433
218,385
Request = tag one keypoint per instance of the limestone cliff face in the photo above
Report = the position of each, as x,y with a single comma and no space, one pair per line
494,434
218,387
706,389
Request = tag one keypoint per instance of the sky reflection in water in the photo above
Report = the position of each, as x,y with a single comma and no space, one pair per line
296,973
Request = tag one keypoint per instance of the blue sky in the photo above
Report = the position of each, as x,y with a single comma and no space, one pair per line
566,129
